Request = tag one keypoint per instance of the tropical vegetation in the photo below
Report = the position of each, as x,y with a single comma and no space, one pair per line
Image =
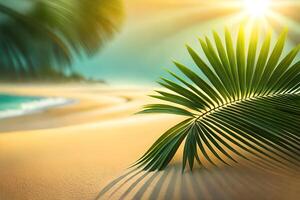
243,97
47,34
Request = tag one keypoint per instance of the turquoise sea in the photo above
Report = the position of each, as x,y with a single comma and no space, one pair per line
12,105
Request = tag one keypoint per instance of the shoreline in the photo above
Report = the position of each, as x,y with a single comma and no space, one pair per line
81,152
38,105
84,100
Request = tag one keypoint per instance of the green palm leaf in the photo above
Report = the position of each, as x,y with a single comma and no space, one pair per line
249,101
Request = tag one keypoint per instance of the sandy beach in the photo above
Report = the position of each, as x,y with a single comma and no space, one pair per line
82,151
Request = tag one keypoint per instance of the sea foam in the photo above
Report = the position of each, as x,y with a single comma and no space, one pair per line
34,106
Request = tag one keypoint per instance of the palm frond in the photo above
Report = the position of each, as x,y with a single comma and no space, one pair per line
49,33
248,101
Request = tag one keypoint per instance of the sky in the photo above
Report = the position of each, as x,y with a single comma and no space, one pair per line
155,33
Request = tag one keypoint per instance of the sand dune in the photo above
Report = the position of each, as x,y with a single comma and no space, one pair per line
82,151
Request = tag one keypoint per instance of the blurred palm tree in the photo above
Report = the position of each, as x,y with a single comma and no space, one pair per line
39,34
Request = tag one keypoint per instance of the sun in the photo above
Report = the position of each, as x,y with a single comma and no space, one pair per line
257,8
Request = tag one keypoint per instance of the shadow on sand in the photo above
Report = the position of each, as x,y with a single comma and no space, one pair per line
217,183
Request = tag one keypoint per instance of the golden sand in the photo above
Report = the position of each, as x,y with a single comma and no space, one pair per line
82,151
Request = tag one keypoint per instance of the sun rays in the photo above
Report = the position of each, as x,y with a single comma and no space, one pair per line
257,8
268,14
272,14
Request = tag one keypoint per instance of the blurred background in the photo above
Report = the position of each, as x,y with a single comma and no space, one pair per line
128,42
155,32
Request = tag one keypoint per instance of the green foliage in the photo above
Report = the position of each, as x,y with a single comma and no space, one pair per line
51,32
248,101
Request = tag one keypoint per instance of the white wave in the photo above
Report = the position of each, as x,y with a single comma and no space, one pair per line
34,106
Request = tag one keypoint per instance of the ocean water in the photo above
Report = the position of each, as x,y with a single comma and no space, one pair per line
11,105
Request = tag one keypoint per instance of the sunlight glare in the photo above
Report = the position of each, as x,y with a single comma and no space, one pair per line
257,8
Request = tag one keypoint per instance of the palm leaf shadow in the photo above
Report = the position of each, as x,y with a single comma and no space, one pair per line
218,183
